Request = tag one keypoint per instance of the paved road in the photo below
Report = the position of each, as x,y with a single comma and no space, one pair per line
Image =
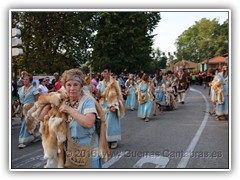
185,138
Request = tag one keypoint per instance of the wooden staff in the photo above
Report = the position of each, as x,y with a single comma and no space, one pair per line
90,71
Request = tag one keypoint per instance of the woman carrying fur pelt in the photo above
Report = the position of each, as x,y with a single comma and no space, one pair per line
28,94
222,88
84,147
145,98
111,100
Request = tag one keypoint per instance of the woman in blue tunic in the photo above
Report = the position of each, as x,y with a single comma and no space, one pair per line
222,108
145,98
159,87
112,106
27,94
82,114
88,87
131,91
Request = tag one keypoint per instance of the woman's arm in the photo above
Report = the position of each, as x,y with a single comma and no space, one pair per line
85,120
44,112
36,97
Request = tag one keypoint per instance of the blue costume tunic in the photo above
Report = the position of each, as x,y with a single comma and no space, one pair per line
222,109
82,135
24,136
113,131
144,110
159,92
131,98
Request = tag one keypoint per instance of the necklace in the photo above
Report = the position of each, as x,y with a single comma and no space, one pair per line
106,83
75,106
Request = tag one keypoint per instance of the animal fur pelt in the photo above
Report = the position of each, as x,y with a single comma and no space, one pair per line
32,111
54,134
174,105
53,98
217,87
103,144
31,123
113,95
53,128
142,98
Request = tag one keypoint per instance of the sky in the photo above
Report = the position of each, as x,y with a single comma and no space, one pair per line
174,24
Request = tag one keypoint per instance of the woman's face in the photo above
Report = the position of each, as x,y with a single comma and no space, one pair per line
225,68
26,81
106,73
43,82
73,88
88,81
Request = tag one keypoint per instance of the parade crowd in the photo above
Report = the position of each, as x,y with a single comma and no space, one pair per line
142,92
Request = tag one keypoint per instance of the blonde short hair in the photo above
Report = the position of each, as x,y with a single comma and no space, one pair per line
73,74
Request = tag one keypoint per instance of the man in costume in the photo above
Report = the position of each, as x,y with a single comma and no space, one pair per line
111,100
182,85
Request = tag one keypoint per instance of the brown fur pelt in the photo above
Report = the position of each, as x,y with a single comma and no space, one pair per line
54,134
53,128
32,111
174,105
31,123
103,144
113,95
217,86
53,98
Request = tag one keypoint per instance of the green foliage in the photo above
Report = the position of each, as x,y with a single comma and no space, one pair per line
56,41
204,40
124,40
158,62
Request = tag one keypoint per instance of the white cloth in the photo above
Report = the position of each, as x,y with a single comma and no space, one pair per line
43,89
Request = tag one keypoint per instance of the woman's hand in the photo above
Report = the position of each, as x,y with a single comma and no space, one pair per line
112,109
44,112
65,109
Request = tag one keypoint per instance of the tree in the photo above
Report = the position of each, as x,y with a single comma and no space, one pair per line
159,61
124,40
54,41
204,40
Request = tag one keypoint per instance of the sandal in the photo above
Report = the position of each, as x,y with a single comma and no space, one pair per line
154,114
146,120
21,146
114,145
211,113
220,118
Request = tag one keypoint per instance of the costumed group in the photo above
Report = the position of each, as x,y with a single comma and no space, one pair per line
78,116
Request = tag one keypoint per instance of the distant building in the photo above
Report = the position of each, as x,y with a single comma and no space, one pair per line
187,65
213,63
